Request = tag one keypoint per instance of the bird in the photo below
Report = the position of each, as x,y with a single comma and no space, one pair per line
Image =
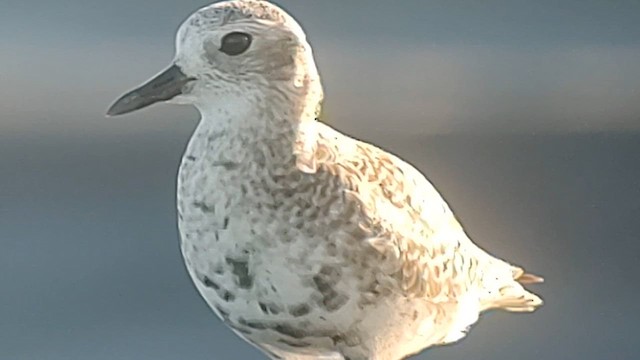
306,242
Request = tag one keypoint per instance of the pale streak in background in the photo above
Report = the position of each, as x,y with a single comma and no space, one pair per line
435,89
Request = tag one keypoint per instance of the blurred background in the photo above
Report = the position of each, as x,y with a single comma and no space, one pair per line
525,115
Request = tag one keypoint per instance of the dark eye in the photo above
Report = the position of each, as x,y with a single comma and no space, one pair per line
235,43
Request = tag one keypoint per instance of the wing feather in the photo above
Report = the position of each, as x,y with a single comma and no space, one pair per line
427,252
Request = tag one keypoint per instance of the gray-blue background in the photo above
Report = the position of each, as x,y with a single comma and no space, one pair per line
525,114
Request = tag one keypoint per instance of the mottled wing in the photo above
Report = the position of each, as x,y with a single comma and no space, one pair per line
425,247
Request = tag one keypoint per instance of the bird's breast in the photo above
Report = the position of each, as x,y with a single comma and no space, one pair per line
271,243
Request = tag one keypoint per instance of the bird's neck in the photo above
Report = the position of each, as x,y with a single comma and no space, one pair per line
245,123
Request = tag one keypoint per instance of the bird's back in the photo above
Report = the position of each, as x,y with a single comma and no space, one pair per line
426,254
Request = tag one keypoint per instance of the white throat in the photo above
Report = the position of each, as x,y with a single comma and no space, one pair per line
266,109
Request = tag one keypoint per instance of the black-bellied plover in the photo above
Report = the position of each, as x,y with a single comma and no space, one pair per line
308,243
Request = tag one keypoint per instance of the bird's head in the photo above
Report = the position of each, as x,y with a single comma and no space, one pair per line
232,49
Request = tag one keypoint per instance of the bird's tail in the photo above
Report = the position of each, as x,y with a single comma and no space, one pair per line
512,296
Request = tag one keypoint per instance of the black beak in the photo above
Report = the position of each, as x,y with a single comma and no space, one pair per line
163,87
